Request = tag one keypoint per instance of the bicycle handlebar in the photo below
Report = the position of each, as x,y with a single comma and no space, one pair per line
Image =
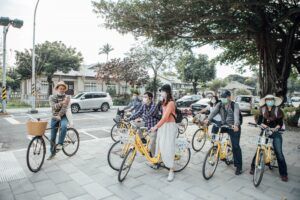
264,128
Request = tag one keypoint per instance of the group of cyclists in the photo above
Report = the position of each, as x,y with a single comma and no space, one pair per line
160,120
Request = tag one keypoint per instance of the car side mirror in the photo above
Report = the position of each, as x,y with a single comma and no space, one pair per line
82,98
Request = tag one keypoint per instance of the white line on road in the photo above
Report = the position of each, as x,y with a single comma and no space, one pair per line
12,120
86,133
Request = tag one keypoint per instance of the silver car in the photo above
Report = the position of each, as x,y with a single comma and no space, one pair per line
246,103
91,101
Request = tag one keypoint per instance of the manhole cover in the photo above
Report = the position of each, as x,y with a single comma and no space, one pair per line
10,168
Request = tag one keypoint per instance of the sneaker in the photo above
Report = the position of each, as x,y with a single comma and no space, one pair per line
238,171
171,176
51,157
58,147
251,171
284,178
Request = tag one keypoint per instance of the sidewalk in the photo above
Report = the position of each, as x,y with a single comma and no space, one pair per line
87,176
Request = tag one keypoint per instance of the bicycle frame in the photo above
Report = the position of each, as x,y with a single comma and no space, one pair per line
221,146
265,146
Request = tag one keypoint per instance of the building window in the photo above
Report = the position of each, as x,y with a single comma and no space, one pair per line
90,87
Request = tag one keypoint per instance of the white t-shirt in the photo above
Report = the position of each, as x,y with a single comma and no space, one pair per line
217,117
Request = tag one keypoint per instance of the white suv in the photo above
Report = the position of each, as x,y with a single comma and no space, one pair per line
246,103
91,101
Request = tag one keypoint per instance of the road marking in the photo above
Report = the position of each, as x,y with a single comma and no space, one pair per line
12,120
86,133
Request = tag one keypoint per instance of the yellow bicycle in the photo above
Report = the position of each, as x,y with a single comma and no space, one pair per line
221,149
265,154
119,126
182,155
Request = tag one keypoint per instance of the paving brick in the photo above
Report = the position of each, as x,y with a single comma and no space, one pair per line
84,197
59,176
33,195
123,192
97,191
6,194
57,196
81,178
21,186
45,188
71,189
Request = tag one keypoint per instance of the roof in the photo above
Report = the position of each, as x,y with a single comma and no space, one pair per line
85,70
237,85
170,79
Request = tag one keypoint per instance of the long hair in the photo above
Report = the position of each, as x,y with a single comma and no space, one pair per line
168,99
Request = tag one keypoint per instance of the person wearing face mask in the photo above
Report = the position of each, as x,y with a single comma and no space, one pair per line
230,115
217,119
147,114
167,131
272,116
61,115
135,103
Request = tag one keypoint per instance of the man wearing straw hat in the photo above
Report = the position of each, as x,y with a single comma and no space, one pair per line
272,116
59,104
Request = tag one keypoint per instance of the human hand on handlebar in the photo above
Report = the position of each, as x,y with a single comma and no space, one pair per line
235,128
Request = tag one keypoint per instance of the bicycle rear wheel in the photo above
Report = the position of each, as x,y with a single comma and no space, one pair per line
71,143
183,125
116,154
210,163
126,164
114,133
36,154
182,160
259,169
199,139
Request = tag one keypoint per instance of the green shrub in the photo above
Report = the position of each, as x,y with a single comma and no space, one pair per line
121,101
17,104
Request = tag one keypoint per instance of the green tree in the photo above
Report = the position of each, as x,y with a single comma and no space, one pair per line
106,49
235,77
216,84
153,58
242,92
264,33
196,69
50,58
151,86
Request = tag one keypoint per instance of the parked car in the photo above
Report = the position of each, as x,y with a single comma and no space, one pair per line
187,100
295,101
246,103
91,101
199,105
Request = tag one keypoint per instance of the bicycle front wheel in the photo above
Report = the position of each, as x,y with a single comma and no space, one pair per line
259,168
181,160
114,132
71,143
36,154
116,154
183,125
210,163
126,164
199,139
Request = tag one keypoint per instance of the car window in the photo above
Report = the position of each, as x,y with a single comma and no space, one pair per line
99,95
78,96
246,99
88,96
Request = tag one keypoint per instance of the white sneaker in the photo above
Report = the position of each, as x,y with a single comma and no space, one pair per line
171,176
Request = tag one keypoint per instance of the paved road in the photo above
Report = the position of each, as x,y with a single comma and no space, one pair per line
87,175
91,125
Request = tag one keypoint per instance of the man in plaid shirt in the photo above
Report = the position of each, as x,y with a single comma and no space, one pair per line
149,114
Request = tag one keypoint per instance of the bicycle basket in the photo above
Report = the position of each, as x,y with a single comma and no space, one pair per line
36,128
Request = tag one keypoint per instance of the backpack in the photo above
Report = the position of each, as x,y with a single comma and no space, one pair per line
240,113
179,116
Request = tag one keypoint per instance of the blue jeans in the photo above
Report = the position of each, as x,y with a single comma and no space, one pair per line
277,145
63,131
236,149
215,128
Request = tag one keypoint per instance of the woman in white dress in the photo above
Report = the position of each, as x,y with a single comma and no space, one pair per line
167,131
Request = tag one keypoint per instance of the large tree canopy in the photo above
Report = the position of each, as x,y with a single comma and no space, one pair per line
50,57
196,69
265,32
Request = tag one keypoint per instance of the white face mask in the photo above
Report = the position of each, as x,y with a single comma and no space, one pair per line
161,98
145,100
164,95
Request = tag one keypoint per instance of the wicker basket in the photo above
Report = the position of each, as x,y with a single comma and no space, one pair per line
36,128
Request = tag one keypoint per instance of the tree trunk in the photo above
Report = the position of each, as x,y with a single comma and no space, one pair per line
154,85
195,87
50,83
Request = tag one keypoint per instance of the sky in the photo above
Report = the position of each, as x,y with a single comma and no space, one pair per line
74,23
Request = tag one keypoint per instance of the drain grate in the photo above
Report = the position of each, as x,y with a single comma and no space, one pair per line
10,169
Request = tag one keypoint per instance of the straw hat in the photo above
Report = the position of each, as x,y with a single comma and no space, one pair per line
61,83
277,100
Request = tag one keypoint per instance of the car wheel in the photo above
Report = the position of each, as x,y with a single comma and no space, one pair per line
75,108
104,107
